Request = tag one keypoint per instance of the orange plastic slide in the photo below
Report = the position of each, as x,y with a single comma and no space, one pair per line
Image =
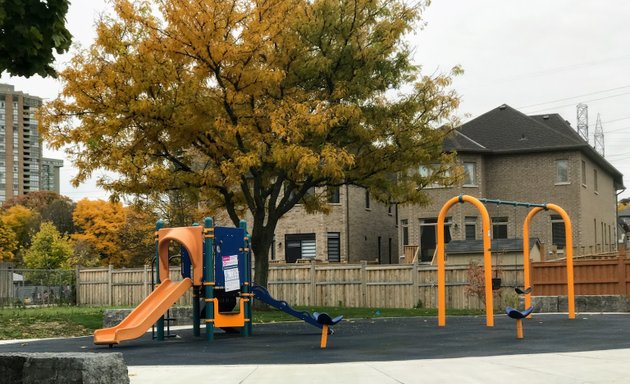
145,314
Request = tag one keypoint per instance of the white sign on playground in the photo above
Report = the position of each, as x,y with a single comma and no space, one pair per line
230,273
230,261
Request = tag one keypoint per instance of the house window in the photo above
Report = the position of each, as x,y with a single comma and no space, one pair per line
334,254
427,172
299,246
595,180
405,231
333,195
584,173
367,199
470,227
500,227
558,234
562,171
470,174
428,236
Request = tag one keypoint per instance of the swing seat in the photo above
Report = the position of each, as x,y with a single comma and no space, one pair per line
523,291
516,314
325,319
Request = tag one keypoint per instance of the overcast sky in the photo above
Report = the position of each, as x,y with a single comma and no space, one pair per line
538,56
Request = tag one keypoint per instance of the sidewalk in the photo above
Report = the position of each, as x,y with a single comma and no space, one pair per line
609,366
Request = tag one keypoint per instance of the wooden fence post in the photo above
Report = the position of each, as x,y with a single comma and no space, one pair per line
145,281
77,285
363,284
313,285
621,275
110,290
415,295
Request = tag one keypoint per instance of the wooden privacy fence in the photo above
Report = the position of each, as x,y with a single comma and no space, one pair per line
592,277
119,287
349,285
6,284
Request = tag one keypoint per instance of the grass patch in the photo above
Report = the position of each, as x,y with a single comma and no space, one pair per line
26,323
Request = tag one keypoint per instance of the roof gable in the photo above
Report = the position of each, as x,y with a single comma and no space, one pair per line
504,130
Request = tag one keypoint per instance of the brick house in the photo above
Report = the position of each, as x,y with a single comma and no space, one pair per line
508,155
357,228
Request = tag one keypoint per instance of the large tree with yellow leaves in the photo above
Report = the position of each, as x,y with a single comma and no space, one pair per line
251,103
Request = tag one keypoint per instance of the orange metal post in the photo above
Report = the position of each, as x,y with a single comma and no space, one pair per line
569,255
324,340
487,258
526,262
519,328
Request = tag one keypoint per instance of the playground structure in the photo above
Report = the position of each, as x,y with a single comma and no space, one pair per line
487,256
216,264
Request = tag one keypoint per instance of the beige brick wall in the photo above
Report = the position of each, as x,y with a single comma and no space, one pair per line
359,228
529,178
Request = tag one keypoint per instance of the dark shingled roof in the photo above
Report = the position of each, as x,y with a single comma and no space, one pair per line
504,130
498,245
462,143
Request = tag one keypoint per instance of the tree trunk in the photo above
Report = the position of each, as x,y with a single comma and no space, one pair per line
261,242
260,249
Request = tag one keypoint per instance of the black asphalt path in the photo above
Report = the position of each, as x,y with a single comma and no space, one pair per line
379,339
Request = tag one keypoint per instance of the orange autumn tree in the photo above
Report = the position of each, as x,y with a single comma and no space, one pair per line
249,104
109,233
98,224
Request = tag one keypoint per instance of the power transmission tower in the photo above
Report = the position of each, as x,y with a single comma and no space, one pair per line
598,137
582,121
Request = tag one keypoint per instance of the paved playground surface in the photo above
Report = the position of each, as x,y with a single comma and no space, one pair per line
593,348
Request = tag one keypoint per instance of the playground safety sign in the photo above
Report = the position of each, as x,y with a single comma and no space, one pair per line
230,273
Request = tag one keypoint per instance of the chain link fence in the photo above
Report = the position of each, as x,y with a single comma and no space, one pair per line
36,287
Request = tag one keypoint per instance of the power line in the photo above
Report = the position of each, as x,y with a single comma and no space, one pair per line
585,101
616,155
548,71
614,120
616,129
574,97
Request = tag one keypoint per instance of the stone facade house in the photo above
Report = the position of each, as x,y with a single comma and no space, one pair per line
508,155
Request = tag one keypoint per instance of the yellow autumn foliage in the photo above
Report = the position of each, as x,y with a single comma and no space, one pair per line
252,103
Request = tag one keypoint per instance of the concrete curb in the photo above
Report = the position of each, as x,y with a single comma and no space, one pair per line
63,368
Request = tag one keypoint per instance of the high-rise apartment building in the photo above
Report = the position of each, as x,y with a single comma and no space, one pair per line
21,168
50,174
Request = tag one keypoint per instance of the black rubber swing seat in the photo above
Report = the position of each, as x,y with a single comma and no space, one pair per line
523,292
324,318
516,314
